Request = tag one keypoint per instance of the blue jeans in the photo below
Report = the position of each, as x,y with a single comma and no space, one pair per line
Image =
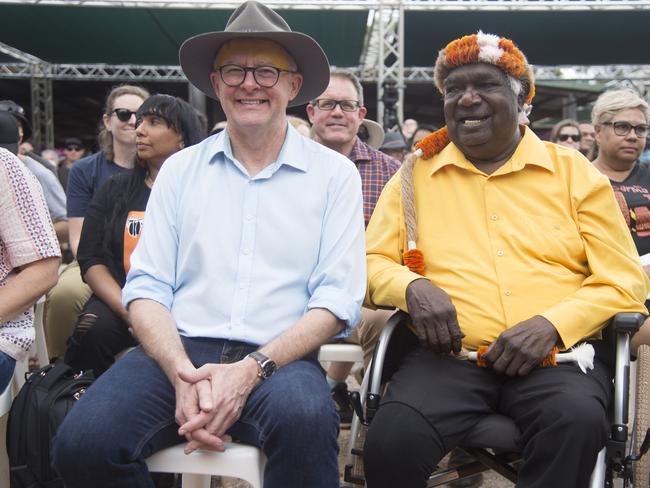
128,414
7,366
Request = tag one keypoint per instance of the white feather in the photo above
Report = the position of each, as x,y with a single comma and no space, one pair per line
489,50
582,355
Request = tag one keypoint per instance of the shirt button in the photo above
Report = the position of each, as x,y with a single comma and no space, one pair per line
500,253
247,251
250,217
507,293
494,217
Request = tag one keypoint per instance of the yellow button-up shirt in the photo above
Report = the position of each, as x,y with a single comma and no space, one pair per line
542,235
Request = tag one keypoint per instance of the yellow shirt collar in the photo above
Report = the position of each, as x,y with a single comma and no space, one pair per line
531,150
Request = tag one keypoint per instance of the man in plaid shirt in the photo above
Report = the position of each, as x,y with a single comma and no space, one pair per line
336,116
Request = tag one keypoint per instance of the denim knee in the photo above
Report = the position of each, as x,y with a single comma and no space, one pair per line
70,452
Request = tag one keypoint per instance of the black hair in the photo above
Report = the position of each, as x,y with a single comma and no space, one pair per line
177,113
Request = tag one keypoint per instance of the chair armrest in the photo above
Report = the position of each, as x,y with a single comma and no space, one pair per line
628,322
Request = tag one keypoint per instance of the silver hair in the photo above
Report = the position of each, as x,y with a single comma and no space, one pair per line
611,102
352,78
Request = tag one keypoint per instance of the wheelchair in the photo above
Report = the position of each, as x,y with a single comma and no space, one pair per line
492,444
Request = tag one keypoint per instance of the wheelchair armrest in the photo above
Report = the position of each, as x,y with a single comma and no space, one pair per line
627,322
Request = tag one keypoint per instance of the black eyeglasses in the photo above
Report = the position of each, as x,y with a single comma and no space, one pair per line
73,147
265,76
565,137
623,128
123,114
328,104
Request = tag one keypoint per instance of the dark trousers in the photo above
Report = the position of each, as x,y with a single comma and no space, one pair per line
98,336
433,401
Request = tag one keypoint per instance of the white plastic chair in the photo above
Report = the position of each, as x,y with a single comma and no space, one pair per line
39,330
238,461
345,353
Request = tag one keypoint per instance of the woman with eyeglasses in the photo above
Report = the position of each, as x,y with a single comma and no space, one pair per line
620,118
117,142
112,227
566,133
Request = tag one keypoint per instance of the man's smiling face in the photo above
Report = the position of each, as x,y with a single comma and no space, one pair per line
250,104
481,111
334,128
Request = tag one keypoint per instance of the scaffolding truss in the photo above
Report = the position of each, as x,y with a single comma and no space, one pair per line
382,60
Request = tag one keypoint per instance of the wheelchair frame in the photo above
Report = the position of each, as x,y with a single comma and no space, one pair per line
616,459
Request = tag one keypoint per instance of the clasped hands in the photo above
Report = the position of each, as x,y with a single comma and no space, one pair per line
516,351
210,399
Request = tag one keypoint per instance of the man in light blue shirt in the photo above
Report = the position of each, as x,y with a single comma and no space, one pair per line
252,256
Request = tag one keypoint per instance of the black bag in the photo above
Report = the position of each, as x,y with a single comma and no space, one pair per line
36,413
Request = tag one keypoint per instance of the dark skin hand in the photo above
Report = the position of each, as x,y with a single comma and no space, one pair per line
521,348
433,316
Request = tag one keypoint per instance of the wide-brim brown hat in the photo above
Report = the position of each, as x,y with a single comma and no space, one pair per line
252,19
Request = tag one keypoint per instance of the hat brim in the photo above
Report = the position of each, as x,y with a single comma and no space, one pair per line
197,58
375,133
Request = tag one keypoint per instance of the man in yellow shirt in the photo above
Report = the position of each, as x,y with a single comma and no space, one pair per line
492,236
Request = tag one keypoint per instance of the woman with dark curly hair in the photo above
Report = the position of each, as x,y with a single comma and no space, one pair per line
112,227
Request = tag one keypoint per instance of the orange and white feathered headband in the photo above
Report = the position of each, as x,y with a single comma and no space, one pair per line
472,49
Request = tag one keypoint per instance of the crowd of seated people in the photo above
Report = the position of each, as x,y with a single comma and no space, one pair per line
90,319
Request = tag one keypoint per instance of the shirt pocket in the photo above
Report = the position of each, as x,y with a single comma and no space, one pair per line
553,239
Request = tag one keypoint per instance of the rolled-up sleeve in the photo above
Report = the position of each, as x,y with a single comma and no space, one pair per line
338,282
153,263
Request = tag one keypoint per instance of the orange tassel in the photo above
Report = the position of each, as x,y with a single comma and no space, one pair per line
434,143
549,360
414,259
479,356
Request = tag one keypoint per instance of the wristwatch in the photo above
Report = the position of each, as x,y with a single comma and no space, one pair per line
267,365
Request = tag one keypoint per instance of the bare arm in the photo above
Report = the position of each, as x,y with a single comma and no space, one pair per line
106,288
315,328
74,233
156,330
61,229
26,287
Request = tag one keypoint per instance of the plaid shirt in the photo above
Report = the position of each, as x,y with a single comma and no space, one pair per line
375,168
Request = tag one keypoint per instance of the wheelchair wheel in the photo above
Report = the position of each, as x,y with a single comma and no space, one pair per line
642,418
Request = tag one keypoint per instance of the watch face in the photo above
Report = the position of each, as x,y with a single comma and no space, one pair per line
267,366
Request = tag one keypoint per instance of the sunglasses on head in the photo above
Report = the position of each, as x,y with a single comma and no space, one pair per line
123,114
573,137
73,147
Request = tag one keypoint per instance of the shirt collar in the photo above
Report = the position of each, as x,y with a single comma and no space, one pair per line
531,150
291,154
360,151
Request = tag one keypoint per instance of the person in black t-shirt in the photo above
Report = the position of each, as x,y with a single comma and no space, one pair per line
112,227
620,118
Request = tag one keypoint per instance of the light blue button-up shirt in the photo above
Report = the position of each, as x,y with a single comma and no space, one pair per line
243,258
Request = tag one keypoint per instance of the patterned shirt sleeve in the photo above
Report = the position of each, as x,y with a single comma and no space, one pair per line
26,231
